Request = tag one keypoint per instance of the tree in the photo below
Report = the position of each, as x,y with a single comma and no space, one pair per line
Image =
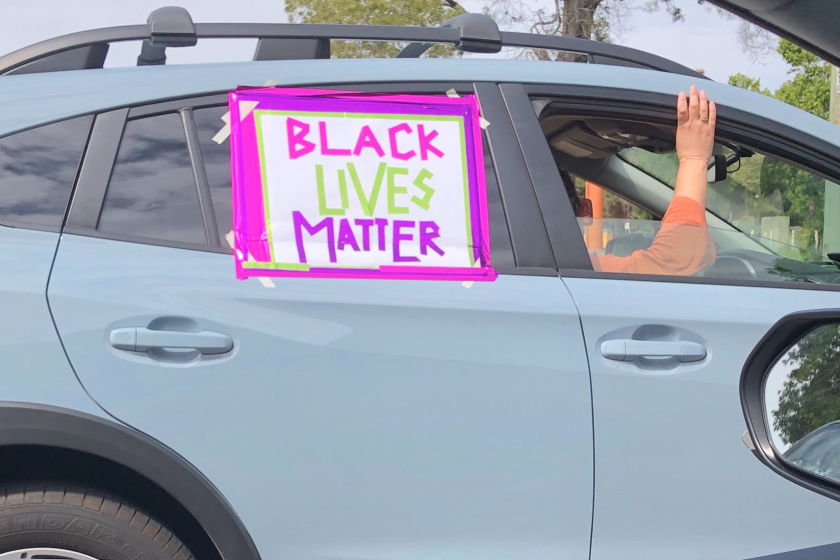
810,398
429,13
780,188
583,19
752,84
808,87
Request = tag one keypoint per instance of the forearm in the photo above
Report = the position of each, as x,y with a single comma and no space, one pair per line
692,180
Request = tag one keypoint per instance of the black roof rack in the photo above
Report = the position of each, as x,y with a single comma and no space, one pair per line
173,27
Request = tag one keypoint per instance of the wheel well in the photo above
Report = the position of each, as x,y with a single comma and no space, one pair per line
21,463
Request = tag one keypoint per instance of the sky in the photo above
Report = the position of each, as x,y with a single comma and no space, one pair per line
703,40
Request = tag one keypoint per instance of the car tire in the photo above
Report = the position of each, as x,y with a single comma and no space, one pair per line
81,522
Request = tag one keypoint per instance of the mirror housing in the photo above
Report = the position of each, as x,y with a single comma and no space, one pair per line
717,168
795,433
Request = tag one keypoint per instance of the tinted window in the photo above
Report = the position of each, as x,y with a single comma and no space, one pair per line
217,163
152,192
37,171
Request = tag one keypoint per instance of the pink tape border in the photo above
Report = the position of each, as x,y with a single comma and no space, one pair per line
247,189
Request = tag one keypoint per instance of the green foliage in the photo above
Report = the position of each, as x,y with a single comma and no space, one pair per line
776,188
810,398
808,89
426,13
752,84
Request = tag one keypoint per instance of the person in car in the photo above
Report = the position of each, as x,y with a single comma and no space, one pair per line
682,247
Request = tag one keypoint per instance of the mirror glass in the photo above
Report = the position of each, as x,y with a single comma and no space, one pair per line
802,403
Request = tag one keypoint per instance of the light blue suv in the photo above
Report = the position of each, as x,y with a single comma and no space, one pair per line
556,413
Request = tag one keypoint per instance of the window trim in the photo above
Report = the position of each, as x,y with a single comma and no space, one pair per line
98,162
784,143
208,215
95,170
781,336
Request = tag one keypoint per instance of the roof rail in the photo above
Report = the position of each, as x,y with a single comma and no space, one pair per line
173,27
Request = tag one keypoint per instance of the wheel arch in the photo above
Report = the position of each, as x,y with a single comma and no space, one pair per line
25,425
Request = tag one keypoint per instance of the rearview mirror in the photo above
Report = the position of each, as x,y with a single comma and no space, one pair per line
717,168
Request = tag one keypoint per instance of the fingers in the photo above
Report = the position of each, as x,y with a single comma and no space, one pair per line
704,104
693,104
712,114
682,109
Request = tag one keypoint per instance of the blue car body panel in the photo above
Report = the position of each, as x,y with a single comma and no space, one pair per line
355,419
673,479
35,368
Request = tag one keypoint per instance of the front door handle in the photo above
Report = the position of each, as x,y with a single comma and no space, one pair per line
628,350
141,339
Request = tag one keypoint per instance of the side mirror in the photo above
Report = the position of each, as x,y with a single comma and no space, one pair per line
791,401
802,404
717,168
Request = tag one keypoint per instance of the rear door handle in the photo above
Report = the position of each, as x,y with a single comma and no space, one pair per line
629,349
141,339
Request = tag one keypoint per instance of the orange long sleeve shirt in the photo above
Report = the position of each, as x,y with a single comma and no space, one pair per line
681,248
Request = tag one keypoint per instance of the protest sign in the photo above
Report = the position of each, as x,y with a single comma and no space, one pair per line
343,185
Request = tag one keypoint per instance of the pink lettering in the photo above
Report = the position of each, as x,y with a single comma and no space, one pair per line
426,143
296,132
367,140
325,148
392,136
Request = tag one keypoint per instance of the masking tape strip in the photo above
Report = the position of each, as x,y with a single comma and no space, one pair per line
264,281
481,120
223,134
245,109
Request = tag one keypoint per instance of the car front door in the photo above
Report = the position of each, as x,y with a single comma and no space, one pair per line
352,418
673,477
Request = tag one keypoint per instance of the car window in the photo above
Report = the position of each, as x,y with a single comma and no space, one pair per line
152,192
764,222
217,166
776,204
37,171
617,217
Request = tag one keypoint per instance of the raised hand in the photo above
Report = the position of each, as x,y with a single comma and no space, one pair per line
696,117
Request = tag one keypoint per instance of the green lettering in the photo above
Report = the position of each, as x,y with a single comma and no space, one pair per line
420,183
368,204
394,190
322,194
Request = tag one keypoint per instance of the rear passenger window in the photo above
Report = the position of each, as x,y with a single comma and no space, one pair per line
152,191
37,171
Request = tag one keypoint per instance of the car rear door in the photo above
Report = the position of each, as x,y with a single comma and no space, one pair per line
673,478
352,418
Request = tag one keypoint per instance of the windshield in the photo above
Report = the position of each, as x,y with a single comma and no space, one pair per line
777,204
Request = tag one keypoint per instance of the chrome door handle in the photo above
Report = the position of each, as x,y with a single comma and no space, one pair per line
141,339
629,349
